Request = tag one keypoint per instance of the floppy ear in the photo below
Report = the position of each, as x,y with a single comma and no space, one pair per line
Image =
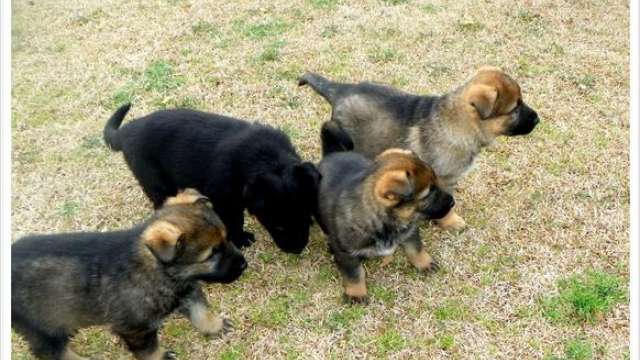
256,190
162,238
392,187
483,99
308,176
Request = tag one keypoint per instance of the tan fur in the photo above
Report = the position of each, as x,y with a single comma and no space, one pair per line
205,321
420,259
452,222
394,151
162,236
390,185
185,197
357,289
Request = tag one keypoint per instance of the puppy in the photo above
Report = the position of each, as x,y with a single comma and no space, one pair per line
447,132
129,280
235,163
369,208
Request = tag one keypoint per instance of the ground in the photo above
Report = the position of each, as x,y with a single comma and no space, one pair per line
541,270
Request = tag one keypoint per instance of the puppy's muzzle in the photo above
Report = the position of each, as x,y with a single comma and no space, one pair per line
228,265
439,204
526,121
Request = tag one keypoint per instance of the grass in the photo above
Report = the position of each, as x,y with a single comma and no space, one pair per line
585,298
543,211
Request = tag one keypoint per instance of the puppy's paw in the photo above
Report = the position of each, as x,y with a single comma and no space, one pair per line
169,355
452,222
244,240
352,300
433,267
227,326
211,325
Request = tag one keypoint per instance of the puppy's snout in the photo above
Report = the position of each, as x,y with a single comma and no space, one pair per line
449,200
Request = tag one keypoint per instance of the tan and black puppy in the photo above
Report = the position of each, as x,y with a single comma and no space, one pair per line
130,280
368,208
447,131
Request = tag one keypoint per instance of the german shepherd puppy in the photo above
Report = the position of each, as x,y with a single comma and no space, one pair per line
235,163
130,280
368,208
447,132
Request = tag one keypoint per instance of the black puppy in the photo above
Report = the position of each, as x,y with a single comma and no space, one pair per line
235,163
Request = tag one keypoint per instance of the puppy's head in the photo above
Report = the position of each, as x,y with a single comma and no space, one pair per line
187,236
494,102
284,203
407,187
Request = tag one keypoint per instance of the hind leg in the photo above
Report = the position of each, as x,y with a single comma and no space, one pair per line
47,347
143,343
153,182
334,138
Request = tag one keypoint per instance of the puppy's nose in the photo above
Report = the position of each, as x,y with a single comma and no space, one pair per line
452,202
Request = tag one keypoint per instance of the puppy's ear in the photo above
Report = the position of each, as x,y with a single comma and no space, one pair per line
162,238
392,187
257,190
308,176
483,98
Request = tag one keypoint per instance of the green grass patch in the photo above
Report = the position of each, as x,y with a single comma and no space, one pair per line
68,209
257,31
383,55
446,342
124,95
389,342
271,52
160,76
574,349
584,298
451,310
323,4
274,313
395,2
527,16
429,9
203,27
345,317
379,293
469,26
234,352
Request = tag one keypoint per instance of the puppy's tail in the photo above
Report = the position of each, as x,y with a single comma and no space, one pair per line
110,132
323,86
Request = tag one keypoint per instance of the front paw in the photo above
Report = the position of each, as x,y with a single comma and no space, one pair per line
433,267
452,222
352,300
217,327
244,240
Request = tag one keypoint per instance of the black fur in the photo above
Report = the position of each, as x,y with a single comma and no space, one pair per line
235,163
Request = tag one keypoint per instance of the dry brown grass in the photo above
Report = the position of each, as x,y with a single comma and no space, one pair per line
540,208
